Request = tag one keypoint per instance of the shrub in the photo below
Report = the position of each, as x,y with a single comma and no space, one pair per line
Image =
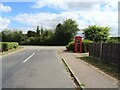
113,41
24,42
70,46
85,45
4,47
8,45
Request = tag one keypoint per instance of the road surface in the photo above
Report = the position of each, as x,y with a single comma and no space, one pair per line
35,67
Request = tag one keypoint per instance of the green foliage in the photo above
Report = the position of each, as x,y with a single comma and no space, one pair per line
44,39
96,33
47,36
5,46
118,38
38,31
85,45
31,33
12,36
41,31
114,40
64,33
70,46
32,40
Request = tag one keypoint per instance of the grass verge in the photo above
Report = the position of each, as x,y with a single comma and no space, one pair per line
10,51
110,69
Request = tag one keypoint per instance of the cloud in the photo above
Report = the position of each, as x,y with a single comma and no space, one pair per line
4,22
64,4
83,18
85,13
76,4
4,8
47,20
103,18
49,3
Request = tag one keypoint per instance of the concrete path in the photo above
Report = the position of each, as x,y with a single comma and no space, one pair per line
35,67
86,74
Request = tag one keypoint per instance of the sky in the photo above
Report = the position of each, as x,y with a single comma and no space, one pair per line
26,15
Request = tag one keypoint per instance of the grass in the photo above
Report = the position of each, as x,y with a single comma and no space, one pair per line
10,51
110,69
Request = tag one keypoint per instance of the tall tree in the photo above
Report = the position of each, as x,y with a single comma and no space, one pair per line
41,31
38,31
66,31
31,33
96,33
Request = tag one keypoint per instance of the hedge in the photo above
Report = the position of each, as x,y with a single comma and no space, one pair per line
70,46
5,46
85,47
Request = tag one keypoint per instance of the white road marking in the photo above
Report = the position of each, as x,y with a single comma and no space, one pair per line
28,58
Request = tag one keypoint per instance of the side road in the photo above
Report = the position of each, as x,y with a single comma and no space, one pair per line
86,74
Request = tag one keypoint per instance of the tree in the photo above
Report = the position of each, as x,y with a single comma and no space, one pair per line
64,33
31,33
41,31
96,33
12,36
17,36
6,35
38,31
47,36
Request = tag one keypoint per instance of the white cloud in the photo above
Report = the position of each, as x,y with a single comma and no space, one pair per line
65,4
48,20
85,13
103,18
76,4
4,8
4,22
49,3
83,18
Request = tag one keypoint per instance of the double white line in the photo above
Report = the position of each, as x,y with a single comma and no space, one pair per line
28,58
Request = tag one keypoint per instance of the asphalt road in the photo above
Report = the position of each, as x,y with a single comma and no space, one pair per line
35,67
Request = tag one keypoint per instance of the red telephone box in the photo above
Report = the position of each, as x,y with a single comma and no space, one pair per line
78,44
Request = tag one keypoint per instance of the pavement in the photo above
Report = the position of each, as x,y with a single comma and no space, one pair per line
35,67
86,74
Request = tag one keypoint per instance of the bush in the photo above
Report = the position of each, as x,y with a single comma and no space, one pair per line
113,41
4,47
70,46
85,45
8,45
